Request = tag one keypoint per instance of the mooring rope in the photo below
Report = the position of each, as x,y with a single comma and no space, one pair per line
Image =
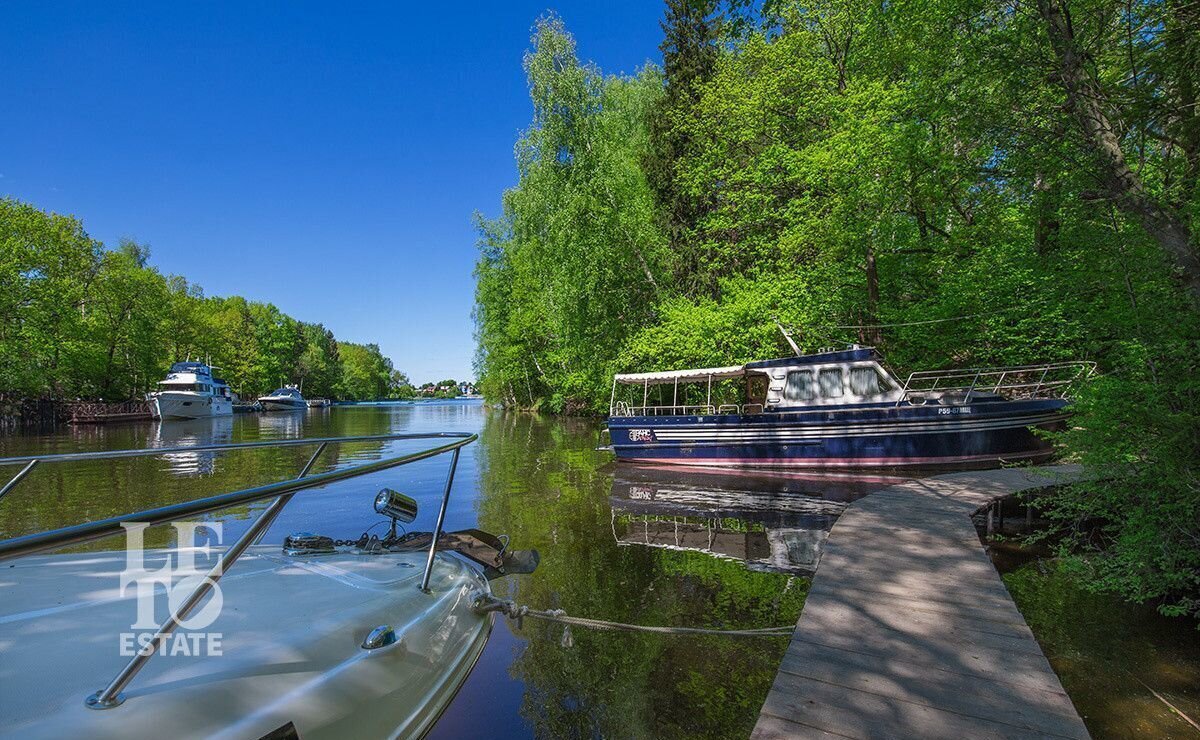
517,612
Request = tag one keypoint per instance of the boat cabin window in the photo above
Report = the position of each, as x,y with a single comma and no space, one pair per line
799,386
830,381
194,387
865,381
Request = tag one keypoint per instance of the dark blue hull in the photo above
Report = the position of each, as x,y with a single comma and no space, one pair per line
982,434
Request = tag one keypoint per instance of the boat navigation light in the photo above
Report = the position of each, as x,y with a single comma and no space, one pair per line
396,505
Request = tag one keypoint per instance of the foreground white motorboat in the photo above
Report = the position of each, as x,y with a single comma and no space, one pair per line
191,392
287,398
313,639
290,631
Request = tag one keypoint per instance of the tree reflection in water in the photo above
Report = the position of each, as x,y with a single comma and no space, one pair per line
542,482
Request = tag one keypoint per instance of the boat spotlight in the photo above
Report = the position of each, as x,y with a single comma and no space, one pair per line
396,505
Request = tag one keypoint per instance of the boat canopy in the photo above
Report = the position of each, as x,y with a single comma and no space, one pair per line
672,376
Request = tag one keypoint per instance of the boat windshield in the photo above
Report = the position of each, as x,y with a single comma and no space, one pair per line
285,392
190,367
866,381
171,385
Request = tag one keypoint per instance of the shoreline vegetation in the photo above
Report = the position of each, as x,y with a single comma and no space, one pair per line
960,185
80,321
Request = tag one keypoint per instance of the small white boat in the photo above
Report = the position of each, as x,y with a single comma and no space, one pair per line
287,398
191,392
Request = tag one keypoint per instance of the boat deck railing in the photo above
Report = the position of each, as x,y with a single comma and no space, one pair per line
1049,380
280,493
622,408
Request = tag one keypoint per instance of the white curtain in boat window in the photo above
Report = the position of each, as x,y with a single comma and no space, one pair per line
864,381
830,381
799,386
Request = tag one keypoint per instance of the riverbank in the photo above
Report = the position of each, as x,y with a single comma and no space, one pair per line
26,412
1129,670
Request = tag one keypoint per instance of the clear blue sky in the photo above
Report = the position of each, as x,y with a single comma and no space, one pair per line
327,161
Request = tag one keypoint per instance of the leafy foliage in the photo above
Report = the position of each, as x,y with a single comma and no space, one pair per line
577,254
80,321
959,183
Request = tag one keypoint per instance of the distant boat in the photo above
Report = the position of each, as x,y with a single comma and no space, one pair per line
191,392
287,398
842,409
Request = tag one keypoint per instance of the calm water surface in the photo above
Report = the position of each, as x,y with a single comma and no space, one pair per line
617,543
659,547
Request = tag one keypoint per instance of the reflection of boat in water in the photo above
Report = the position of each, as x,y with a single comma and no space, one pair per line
317,639
840,410
193,433
287,398
773,523
191,392
281,425
709,489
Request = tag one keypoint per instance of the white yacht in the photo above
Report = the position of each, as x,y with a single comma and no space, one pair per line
191,392
287,398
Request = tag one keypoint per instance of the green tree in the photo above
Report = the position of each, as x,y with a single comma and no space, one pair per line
77,320
400,386
959,183
689,49
366,373
47,265
577,254
319,365
126,314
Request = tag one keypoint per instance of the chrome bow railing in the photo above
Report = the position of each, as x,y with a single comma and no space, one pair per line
1052,379
282,492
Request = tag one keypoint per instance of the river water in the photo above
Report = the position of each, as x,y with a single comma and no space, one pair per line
616,543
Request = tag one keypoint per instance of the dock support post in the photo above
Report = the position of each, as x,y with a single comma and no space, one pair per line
991,518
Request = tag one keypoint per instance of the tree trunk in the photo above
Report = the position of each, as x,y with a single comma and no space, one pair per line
1085,100
871,333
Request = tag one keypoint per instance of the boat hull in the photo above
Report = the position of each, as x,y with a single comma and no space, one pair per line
868,436
167,405
290,631
284,404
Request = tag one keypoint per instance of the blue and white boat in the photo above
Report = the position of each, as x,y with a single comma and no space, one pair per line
840,409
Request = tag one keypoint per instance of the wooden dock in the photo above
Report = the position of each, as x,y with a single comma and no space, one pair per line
908,631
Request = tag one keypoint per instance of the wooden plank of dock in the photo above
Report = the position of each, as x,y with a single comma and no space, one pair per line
908,630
